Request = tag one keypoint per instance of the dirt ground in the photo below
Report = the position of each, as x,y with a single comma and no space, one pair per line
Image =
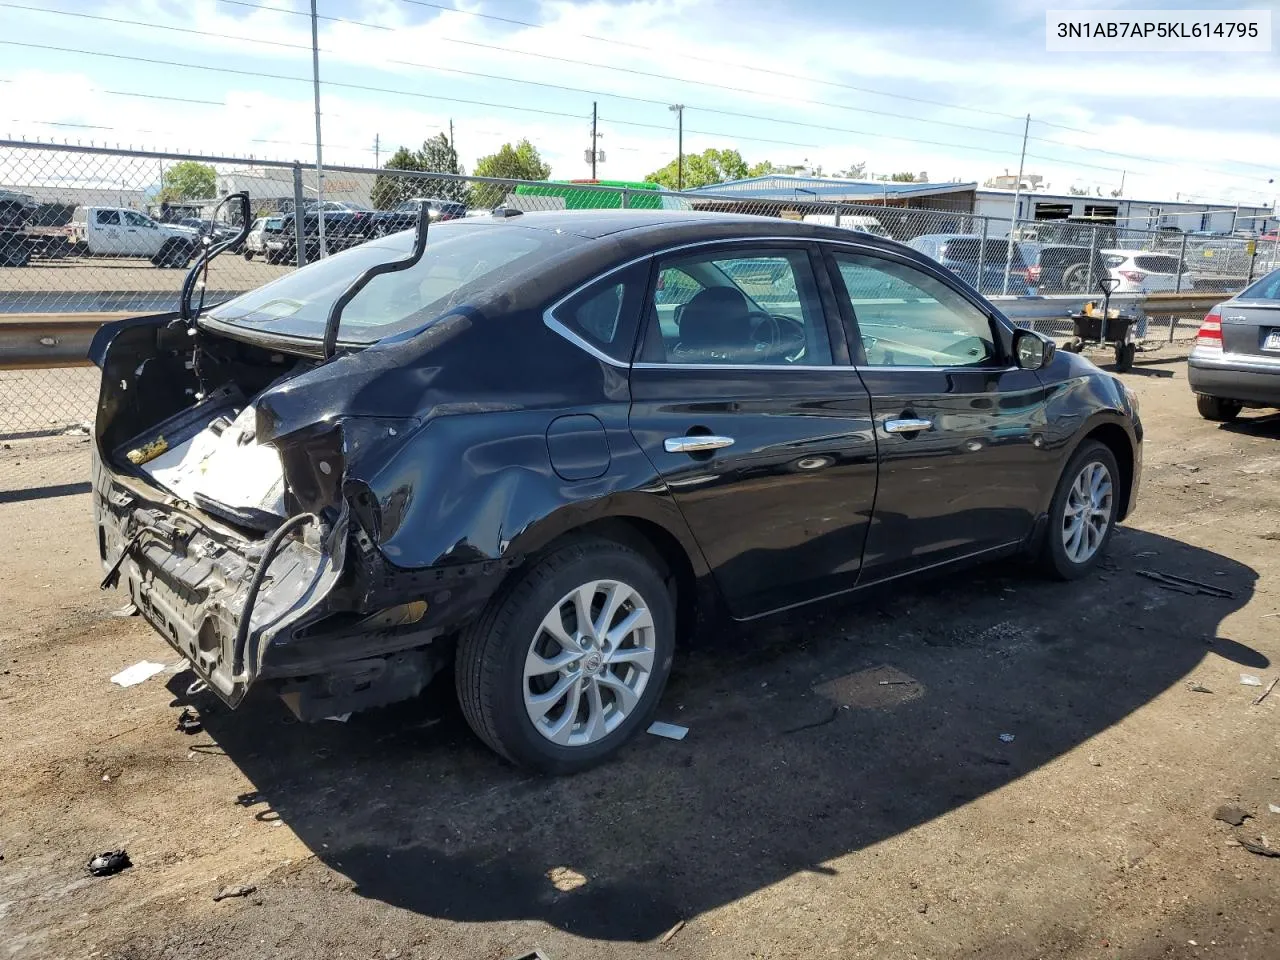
811,811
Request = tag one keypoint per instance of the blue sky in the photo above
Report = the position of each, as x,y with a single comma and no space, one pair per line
921,86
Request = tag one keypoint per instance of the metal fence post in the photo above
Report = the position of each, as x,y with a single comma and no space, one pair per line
982,253
837,214
1008,254
1093,256
299,227
1182,265
626,198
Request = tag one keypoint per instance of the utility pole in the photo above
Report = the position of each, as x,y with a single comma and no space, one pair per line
1013,219
315,79
678,110
377,150
594,140
451,146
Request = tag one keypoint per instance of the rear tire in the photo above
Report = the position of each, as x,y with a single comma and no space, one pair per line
1217,409
1082,515
1125,353
546,693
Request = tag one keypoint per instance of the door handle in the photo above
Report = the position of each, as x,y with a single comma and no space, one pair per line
696,444
907,425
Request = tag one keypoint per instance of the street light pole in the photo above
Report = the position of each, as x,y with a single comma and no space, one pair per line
315,79
678,110
1013,220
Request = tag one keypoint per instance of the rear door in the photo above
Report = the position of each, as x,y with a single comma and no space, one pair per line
959,426
746,405
1251,322
107,232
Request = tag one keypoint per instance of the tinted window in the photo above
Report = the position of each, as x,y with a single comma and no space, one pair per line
107,218
1115,259
604,314
462,258
755,307
907,318
1156,263
1268,288
966,250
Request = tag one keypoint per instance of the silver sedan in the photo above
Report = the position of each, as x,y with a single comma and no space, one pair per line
1235,362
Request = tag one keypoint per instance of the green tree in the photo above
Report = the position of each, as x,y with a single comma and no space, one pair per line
903,178
703,169
519,162
764,168
189,180
437,155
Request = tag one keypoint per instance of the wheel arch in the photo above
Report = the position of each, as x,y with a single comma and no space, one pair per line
1116,439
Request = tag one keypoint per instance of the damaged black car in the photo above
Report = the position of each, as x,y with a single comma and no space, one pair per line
539,447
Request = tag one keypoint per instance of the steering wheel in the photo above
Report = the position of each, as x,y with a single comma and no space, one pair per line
786,338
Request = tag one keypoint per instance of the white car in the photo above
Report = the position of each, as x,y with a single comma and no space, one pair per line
255,242
850,221
1141,271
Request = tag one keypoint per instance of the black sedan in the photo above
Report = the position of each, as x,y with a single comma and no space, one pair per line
1235,362
543,449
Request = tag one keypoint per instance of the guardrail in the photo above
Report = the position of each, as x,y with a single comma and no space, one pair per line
35,341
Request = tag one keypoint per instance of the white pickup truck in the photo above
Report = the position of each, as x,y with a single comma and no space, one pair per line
119,232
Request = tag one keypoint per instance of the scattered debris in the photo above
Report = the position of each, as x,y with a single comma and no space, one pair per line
188,722
142,670
566,879
1184,585
226,893
923,908
1249,680
1006,738
672,731
1260,849
105,864
830,718
895,683
536,955
340,717
1267,692
1274,808
1232,815
250,798
1199,688
128,610
1094,762
670,934
1189,467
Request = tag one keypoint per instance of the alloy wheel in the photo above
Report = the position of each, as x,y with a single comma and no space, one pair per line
589,662
1087,512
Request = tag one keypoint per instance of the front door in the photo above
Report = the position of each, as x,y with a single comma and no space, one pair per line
745,404
142,238
963,467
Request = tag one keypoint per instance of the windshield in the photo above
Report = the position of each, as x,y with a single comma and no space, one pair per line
967,250
462,258
1268,288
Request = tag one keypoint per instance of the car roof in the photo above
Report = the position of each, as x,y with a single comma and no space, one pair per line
660,226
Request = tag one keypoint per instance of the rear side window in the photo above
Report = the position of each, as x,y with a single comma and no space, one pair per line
1156,263
1268,288
966,250
107,218
604,314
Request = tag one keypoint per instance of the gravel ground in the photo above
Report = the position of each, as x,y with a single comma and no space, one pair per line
812,810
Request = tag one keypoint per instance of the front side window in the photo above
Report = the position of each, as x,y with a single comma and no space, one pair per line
749,307
907,318
136,220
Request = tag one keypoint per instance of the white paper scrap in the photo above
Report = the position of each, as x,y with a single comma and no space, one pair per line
142,670
672,731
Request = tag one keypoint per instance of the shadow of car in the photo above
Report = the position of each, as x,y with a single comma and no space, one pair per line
799,751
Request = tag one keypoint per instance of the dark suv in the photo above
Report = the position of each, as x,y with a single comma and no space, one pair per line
1061,267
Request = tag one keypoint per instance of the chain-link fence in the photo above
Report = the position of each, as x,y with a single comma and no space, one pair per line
98,232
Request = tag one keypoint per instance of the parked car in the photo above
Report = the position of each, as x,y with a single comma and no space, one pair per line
255,243
1235,362
510,455
964,254
1140,271
120,232
1061,268
341,231
404,215
850,221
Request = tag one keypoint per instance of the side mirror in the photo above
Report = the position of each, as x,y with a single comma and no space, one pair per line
1032,350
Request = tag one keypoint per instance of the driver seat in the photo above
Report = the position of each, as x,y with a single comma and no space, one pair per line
715,326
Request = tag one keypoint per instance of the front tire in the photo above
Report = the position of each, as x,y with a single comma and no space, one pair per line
1217,409
1082,515
569,662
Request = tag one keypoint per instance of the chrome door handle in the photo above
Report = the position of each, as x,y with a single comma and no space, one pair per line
695,444
907,425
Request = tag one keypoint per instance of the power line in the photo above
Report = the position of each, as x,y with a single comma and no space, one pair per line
656,102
